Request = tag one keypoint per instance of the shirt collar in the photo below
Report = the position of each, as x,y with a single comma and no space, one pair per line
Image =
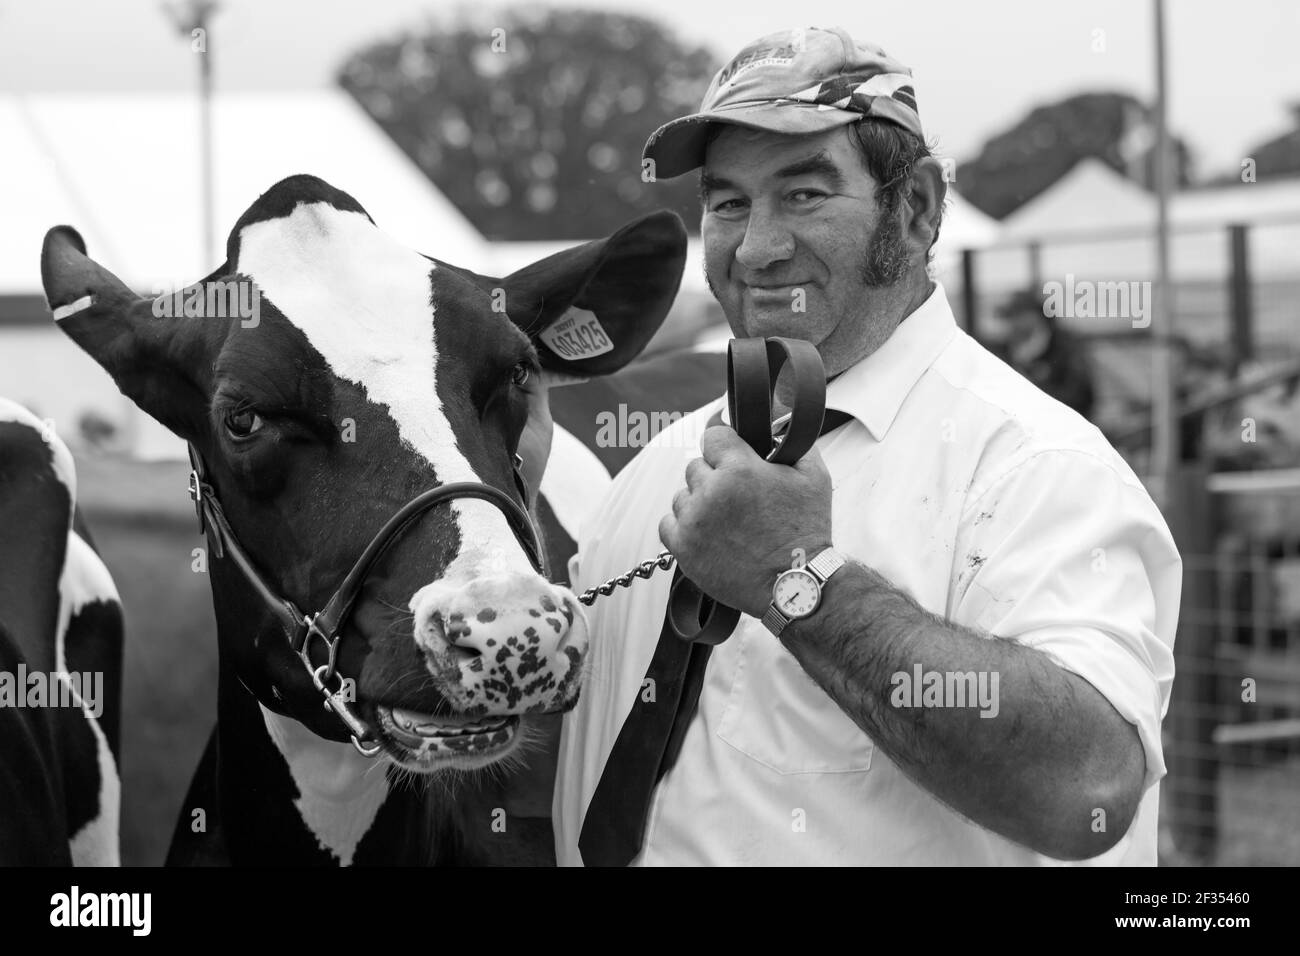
873,390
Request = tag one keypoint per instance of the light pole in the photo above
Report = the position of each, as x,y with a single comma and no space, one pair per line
191,18
1165,451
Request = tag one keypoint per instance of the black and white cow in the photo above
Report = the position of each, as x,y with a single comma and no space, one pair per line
371,374
60,661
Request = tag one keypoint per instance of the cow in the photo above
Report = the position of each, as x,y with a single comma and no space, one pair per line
60,661
385,621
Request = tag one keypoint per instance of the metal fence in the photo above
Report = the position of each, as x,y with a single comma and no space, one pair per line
1232,733
1234,299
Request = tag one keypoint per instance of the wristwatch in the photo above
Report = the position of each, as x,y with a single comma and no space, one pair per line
797,592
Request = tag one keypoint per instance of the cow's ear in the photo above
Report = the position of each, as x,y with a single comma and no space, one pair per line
591,309
157,361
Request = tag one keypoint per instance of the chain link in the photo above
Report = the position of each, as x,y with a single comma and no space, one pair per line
663,562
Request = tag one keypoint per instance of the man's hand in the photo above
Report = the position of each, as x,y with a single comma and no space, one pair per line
735,525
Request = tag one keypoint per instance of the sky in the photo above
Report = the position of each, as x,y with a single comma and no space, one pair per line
979,65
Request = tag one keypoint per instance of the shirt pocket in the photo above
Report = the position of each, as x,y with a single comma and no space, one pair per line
776,714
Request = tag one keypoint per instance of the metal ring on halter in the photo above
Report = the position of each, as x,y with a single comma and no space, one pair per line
327,624
331,703
331,646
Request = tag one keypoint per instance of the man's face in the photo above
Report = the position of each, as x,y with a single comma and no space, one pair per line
796,245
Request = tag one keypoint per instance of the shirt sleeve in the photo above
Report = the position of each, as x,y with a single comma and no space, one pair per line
1067,553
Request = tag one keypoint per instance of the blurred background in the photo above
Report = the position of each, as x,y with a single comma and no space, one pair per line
492,136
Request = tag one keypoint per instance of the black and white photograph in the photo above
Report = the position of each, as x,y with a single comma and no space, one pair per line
690,434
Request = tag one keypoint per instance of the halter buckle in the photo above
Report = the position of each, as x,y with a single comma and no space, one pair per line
196,495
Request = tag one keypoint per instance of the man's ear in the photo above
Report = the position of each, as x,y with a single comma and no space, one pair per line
161,363
927,191
593,308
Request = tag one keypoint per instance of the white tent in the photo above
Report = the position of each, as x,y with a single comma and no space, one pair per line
123,168
964,227
1095,224
1089,196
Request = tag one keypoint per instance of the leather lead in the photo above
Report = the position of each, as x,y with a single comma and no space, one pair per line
753,368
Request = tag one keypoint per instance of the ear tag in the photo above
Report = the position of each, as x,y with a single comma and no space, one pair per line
72,308
578,335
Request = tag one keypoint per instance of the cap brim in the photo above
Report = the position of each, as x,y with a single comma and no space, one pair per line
678,147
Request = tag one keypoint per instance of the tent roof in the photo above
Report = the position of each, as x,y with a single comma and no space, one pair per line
1238,202
965,227
123,168
1090,196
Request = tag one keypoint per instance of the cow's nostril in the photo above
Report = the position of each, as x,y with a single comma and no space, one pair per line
458,634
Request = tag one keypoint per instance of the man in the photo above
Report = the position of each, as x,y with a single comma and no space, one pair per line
1042,351
987,532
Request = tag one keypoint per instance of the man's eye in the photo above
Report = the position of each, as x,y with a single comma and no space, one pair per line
806,195
729,205
243,422
520,374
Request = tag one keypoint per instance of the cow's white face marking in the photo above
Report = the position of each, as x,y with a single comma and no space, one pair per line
364,302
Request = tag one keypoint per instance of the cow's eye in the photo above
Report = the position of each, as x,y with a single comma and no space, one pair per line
520,374
243,422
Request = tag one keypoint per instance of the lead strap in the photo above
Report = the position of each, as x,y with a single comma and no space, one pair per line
753,369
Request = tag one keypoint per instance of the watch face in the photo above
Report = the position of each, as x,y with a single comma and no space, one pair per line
796,593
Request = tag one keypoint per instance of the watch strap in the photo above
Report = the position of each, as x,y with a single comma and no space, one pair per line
774,620
825,564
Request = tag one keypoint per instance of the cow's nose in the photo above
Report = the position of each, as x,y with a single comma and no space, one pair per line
512,641
548,625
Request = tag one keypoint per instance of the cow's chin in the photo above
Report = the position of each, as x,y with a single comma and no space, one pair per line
424,744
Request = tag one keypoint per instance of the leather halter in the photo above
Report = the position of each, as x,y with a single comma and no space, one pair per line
753,366
299,629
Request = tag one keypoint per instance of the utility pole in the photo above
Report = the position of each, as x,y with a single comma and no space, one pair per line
192,18
1166,452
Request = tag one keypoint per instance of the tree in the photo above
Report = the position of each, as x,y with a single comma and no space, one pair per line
1278,157
1017,165
532,120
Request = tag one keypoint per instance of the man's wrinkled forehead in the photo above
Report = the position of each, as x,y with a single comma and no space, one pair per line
739,158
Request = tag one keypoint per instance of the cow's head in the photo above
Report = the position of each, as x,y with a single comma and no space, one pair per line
344,375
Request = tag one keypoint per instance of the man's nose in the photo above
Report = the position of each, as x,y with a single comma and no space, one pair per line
766,242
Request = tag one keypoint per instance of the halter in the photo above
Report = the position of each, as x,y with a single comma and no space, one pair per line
301,630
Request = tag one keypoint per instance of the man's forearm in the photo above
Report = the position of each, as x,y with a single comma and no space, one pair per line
1049,755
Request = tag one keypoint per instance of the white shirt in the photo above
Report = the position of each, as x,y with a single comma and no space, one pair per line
988,502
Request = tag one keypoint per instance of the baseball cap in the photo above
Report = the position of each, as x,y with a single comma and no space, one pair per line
797,82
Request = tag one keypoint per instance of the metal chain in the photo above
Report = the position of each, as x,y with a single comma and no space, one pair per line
663,562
